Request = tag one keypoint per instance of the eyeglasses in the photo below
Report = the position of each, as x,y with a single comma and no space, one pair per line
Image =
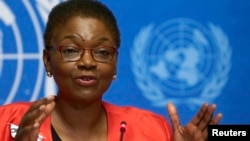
72,53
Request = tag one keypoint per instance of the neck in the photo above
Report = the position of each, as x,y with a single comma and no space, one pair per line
79,118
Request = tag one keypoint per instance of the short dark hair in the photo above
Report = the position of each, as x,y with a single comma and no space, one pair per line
66,10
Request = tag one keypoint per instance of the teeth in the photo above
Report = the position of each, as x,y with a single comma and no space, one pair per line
86,78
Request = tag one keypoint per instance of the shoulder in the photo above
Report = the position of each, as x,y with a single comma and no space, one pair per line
11,115
15,107
14,110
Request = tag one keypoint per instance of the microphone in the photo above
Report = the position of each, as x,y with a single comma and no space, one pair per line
122,129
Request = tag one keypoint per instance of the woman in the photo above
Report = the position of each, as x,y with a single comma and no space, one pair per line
82,41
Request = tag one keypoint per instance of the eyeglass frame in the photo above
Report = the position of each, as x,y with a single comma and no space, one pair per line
58,48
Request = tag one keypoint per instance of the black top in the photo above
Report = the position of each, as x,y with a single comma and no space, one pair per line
55,137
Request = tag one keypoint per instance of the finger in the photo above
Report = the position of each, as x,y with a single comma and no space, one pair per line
215,120
45,110
197,119
174,117
38,103
26,133
33,118
35,111
207,118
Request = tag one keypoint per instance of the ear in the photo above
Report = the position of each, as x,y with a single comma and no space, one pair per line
46,60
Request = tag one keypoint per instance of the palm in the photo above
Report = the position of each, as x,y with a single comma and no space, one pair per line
188,133
196,129
32,120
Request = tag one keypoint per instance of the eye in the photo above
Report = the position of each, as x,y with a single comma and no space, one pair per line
68,50
103,51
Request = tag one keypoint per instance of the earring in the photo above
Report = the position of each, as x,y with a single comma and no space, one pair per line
114,77
49,74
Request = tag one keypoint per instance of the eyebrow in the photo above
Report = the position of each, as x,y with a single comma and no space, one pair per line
76,36
98,39
102,39
72,36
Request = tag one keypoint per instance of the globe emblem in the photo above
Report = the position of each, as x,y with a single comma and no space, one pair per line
183,56
21,67
181,61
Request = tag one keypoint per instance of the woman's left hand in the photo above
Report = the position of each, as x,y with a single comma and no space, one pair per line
197,128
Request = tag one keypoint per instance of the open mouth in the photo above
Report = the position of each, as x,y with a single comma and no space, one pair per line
86,81
87,78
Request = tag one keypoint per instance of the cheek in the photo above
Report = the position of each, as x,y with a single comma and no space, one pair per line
62,71
108,71
58,66
105,79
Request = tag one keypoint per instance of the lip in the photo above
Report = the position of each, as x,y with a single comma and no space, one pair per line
86,80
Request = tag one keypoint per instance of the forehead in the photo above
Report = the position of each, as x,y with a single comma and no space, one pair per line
84,29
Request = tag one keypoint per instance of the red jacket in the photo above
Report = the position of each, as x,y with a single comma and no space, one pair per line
142,125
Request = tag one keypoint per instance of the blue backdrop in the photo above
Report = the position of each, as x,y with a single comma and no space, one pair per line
184,51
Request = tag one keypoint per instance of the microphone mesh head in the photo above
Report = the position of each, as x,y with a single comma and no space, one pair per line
123,126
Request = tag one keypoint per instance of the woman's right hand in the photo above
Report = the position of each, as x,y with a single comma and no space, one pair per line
28,129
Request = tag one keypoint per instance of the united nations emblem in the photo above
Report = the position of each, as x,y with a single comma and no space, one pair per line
181,61
21,43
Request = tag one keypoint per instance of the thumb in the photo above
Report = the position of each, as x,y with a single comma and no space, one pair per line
174,117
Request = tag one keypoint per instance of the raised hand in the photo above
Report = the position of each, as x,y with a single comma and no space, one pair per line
29,126
196,129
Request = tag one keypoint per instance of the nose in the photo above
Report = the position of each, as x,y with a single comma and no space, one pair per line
86,61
